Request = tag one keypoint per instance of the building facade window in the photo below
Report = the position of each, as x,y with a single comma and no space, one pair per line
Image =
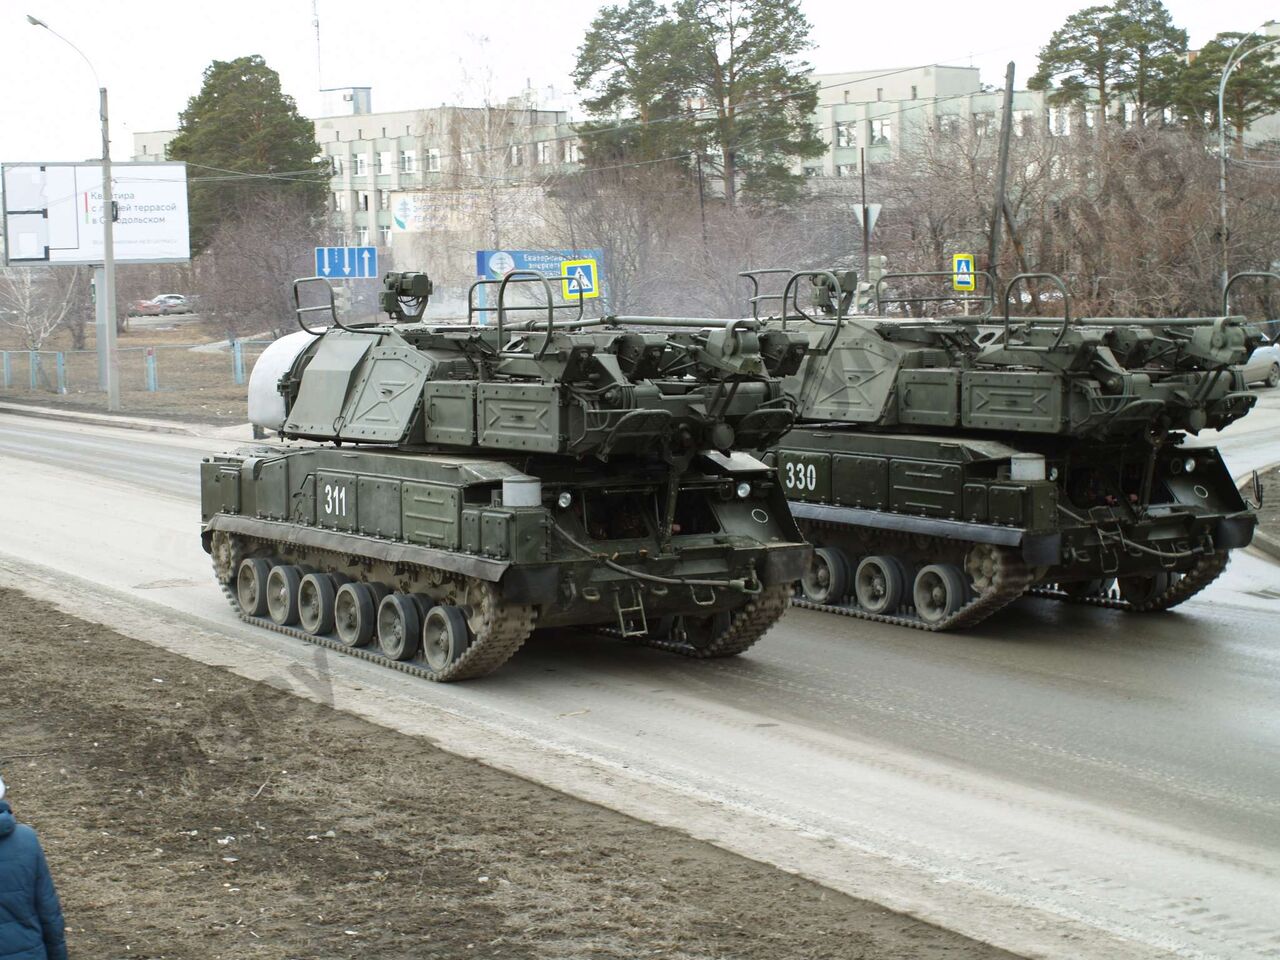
983,123
846,133
813,171
362,236
879,93
846,169
517,155
337,165
363,200
384,199
382,161
571,151
339,203
949,125
881,132
913,91
408,161
384,235
1059,122
358,162
1021,122
545,152
433,160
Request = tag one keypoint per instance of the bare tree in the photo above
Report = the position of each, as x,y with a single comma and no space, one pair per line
245,276
36,301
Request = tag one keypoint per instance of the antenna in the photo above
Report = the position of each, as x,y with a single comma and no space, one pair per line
315,22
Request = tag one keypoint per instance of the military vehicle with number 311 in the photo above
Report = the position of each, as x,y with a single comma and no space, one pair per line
449,488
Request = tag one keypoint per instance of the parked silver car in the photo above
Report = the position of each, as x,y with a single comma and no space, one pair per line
1263,366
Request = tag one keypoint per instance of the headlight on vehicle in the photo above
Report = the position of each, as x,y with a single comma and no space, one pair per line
565,500
1189,465
743,490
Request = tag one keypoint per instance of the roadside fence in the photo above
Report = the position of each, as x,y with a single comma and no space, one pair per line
170,372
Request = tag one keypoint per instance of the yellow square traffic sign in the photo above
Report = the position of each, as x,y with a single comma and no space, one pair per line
962,274
580,275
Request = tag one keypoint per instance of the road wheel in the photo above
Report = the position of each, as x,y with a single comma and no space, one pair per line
1142,590
399,626
445,637
355,614
251,586
827,578
315,603
939,591
1273,375
879,584
282,594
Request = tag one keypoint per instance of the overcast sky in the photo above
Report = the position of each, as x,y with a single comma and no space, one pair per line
150,54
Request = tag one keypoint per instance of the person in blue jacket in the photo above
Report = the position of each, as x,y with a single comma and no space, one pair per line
31,926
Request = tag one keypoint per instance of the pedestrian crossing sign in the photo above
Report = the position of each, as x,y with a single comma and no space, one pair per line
580,277
962,277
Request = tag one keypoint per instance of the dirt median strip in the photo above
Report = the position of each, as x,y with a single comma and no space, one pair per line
188,812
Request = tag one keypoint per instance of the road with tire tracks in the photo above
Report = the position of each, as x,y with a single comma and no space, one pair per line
1062,781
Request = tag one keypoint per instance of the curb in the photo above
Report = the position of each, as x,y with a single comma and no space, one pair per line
1266,544
1262,542
96,419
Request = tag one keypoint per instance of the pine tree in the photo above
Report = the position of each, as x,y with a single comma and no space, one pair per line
1130,52
1153,54
723,76
242,123
1252,91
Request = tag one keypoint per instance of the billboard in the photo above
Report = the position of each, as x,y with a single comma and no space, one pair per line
53,213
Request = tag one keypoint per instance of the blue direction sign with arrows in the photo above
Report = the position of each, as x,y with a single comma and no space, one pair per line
346,263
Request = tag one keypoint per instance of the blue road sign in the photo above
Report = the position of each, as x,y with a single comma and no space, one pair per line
346,263
492,264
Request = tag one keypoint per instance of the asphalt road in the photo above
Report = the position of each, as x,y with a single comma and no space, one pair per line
1062,781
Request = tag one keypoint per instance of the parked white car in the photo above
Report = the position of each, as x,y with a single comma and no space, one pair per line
1263,366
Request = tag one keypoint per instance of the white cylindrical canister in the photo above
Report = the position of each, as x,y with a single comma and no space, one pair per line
266,406
1026,466
521,491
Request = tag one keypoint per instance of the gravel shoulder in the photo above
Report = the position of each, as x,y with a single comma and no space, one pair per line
188,812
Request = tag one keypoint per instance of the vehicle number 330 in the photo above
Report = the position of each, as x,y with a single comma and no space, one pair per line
335,500
801,476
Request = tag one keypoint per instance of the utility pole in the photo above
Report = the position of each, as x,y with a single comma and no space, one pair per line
1002,171
866,229
1238,54
106,292
108,330
702,205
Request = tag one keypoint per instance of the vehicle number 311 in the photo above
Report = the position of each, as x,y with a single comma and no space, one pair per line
335,500
801,476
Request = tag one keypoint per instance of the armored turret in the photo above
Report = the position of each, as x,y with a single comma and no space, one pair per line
443,488
945,465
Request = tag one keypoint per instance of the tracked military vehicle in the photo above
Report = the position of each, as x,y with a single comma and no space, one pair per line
448,488
944,466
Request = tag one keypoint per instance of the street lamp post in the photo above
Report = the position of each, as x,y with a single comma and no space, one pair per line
1233,61
107,292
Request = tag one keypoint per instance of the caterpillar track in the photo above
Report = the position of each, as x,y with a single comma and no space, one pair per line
733,632
1207,569
499,630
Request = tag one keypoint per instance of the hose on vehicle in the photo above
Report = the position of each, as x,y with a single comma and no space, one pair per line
743,586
